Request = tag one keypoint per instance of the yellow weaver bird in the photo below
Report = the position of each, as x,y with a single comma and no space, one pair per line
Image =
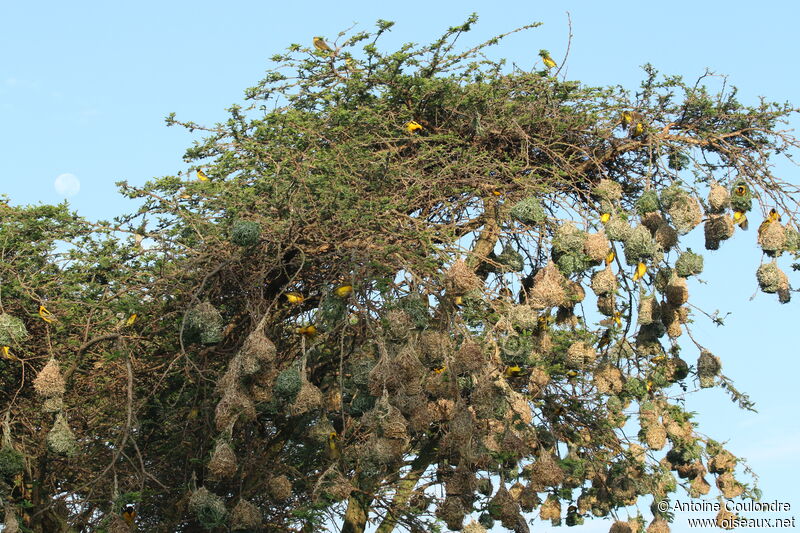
605,217
641,269
773,216
617,318
637,129
129,514
740,219
308,331
201,175
546,59
512,371
625,118
412,126
46,315
458,301
6,351
439,369
344,291
294,298
321,45
131,320
333,445
610,257
740,190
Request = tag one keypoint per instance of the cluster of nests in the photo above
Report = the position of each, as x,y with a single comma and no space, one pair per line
49,385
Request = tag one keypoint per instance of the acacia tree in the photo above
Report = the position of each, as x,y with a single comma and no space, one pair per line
413,289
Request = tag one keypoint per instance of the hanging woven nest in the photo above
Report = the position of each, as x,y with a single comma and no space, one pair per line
279,488
607,190
257,353
60,439
677,291
666,236
510,259
649,310
717,228
597,246
49,383
545,472
708,368
529,211
640,246
205,323
647,202
772,238
245,517
452,513
548,288
460,279
208,508
12,330
308,398
580,355
223,461
689,264
235,403
604,282
719,199
618,229
551,509
245,233
684,210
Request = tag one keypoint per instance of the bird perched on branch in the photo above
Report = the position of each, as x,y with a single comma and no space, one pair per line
641,269
294,298
322,46
343,291
773,216
201,175
546,59
129,514
46,315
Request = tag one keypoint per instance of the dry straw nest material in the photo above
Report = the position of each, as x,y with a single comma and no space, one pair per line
677,291
721,462
684,210
245,517
608,380
717,228
597,246
12,330
257,353
60,439
653,221
604,282
568,239
434,346
398,324
772,238
580,355
474,527
699,487
666,237
537,381
308,398
649,310
115,524
53,405
728,486
503,507
548,288
223,461
49,382
235,403
470,356
452,512
545,472
719,199
771,278
550,509
658,525
279,488
622,527
725,519
460,279
208,508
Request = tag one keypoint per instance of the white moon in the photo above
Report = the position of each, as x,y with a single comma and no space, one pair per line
67,185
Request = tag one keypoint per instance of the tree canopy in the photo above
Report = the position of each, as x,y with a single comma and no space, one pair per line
415,289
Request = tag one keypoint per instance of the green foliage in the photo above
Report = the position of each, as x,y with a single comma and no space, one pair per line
245,233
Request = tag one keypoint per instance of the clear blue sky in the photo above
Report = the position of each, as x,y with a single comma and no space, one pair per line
85,86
